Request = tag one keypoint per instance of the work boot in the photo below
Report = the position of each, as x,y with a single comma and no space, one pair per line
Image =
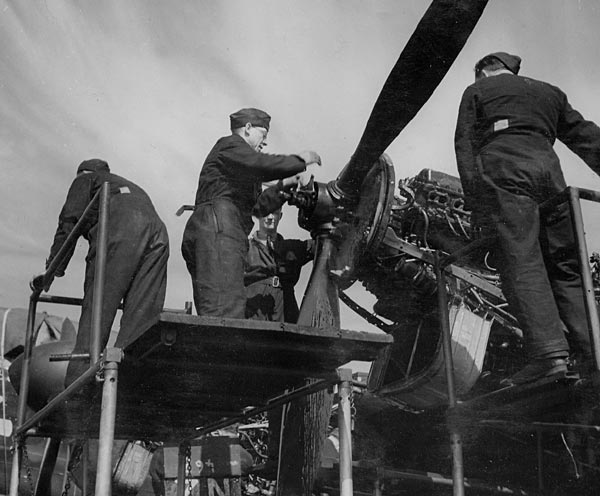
539,368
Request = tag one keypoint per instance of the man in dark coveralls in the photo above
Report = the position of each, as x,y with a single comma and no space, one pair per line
136,262
507,125
215,240
272,270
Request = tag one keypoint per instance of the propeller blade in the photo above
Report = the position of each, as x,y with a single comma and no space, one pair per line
425,60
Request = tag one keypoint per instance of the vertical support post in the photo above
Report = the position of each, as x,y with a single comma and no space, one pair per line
23,392
109,389
106,435
458,476
586,276
540,459
345,430
99,274
66,471
378,482
181,459
15,469
85,454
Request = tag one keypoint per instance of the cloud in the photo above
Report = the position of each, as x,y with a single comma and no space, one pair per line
148,85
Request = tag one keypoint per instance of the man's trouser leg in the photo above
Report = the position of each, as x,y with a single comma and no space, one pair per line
145,297
84,332
125,252
523,274
560,254
215,250
264,302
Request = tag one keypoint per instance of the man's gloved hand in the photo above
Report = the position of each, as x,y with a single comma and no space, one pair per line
310,157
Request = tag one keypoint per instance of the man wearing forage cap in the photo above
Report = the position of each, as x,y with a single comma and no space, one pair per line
215,240
507,125
136,262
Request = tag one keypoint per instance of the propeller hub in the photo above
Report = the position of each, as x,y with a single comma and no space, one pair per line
318,209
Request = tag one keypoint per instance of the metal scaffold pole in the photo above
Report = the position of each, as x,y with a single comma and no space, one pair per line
345,431
106,435
100,274
109,390
458,476
23,394
586,277
182,457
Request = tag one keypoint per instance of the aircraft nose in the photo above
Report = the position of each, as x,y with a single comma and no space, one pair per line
46,378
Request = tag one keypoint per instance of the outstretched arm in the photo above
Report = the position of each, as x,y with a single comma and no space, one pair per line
264,166
79,195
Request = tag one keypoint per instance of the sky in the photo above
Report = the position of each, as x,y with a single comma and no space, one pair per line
148,85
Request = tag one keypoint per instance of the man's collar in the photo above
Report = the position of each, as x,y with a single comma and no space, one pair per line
497,72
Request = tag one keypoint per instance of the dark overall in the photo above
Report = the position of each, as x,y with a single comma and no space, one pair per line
506,129
215,240
272,270
136,262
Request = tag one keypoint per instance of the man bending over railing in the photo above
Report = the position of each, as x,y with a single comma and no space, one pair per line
136,260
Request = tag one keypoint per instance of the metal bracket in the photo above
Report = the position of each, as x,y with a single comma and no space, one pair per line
113,355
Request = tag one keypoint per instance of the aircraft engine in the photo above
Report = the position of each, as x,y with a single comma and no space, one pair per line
387,241
426,215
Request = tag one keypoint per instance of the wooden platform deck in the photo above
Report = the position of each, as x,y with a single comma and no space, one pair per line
187,371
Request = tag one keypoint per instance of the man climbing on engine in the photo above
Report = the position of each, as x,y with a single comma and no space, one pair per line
507,125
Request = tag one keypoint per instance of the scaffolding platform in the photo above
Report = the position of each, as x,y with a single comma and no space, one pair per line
188,371
546,398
